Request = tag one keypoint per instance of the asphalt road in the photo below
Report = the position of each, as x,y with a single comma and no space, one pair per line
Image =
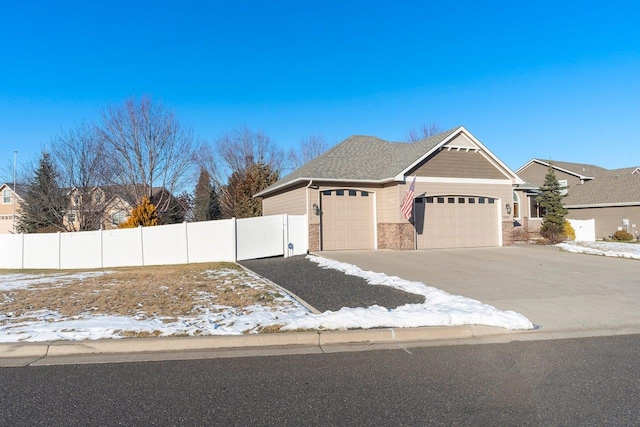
590,381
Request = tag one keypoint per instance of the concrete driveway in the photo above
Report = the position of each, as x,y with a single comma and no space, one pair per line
563,293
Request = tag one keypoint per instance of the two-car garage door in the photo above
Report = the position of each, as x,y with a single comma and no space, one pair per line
348,222
457,222
347,219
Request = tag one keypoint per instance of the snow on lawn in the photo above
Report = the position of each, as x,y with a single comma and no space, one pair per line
439,309
620,250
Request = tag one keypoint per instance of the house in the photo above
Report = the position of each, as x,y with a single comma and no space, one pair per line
10,206
610,197
352,194
93,208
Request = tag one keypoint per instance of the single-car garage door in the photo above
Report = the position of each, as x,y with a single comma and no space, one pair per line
347,219
458,222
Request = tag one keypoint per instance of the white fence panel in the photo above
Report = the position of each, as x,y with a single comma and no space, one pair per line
210,241
222,240
165,244
81,250
42,250
11,250
260,237
585,229
297,241
122,247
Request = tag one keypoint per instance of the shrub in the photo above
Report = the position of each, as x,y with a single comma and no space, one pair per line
553,233
569,232
622,236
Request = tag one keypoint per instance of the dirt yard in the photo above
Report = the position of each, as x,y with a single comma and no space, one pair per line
160,291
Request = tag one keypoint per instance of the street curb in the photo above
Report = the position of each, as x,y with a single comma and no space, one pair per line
289,339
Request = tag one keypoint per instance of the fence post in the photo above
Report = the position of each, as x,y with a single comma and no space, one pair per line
285,235
22,258
101,249
235,239
59,251
141,245
186,240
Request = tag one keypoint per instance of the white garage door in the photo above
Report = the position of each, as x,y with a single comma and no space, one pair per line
458,222
347,219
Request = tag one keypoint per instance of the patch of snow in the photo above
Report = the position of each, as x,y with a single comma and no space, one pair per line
10,282
620,250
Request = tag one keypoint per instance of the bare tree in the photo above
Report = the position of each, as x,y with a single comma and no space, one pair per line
310,148
146,149
233,158
82,171
425,131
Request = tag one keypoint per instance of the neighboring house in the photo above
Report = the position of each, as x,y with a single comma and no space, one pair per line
10,206
610,197
92,208
352,194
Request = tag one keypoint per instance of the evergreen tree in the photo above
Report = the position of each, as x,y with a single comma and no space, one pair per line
45,203
242,186
206,202
144,214
550,200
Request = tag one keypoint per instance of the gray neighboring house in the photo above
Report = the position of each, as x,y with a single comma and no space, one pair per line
352,194
609,196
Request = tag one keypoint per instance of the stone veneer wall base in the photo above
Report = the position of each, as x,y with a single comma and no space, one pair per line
396,236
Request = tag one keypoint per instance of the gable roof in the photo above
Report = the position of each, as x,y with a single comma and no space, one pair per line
615,187
581,170
21,189
368,159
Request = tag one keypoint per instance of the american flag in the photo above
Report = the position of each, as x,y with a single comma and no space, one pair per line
407,202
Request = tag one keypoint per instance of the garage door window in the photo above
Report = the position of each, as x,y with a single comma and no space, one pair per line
472,200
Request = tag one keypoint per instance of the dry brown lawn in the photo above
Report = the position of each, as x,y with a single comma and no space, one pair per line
163,291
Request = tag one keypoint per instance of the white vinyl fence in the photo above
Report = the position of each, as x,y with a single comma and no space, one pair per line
585,229
189,242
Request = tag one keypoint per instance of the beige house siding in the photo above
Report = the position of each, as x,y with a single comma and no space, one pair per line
7,211
461,141
458,164
291,202
535,174
608,219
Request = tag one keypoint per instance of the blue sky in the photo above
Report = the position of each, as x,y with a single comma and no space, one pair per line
556,80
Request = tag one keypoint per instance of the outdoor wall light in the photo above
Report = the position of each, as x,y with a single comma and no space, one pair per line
316,210
508,208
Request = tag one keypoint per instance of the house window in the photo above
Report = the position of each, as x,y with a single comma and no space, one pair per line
564,185
537,211
76,199
98,197
71,217
516,205
6,197
118,217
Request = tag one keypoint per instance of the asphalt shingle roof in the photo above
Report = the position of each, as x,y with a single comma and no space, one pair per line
614,186
363,158
582,169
